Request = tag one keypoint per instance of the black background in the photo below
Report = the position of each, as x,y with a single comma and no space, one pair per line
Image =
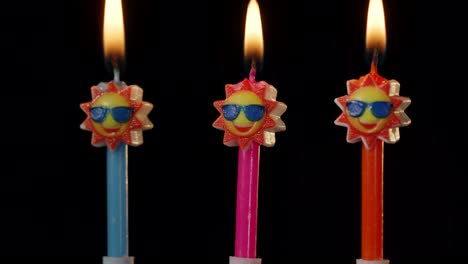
182,180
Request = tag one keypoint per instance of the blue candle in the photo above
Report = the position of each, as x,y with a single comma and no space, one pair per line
117,208
116,116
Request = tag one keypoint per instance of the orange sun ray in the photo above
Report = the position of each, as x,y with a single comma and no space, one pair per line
397,118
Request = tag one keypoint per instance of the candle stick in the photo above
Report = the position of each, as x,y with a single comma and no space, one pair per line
373,111
250,116
116,116
372,197
247,196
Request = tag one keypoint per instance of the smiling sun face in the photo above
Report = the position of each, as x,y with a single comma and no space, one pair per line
373,110
250,113
368,109
110,115
116,114
244,113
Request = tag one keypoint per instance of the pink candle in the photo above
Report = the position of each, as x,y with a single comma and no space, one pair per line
250,116
247,197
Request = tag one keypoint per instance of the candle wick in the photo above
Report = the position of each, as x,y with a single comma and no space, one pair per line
116,62
116,75
253,71
375,61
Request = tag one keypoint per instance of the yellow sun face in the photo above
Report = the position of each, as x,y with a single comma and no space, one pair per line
368,122
116,114
248,112
107,107
373,110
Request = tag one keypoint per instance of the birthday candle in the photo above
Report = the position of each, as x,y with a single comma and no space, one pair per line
373,111
250,116
116,116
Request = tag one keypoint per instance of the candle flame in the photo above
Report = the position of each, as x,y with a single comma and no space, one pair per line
113,33
375,33
253,40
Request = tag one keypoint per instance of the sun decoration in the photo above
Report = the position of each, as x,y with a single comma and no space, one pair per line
250,113
116,114
373,110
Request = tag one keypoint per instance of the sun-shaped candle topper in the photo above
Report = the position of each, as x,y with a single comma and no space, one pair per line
373,110
250,113
116,114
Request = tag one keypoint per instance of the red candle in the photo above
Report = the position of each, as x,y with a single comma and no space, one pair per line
372,202
373,111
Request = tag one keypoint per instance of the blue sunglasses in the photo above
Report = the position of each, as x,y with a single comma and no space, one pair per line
252,112
121,114
380,109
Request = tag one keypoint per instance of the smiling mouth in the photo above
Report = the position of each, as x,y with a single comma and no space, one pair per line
111,130
242,129
368,126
